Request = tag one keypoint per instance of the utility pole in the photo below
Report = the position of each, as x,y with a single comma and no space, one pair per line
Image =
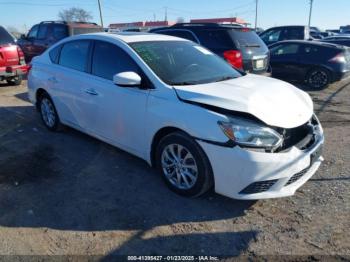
256,14
311,4
166,14
99,7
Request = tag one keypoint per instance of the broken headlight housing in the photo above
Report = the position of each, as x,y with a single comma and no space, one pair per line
247,133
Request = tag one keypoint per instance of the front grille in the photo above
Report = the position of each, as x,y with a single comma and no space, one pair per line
258,187
303,137
296,177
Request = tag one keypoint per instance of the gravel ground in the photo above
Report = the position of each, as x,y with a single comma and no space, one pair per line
69,194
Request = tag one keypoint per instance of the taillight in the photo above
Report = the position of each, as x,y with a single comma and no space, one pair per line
29,67
234,57
21,56
339,58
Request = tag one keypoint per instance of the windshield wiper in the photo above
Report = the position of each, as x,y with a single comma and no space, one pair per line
183,83
251,45
224,78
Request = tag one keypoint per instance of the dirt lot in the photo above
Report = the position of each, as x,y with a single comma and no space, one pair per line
67,193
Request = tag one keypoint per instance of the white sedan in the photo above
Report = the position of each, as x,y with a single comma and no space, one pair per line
183,109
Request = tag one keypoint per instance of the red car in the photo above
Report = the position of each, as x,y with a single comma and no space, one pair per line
12,63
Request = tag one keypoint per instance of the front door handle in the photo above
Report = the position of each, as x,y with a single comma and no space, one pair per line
91,91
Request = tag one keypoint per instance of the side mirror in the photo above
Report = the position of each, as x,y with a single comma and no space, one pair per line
23,36
127,79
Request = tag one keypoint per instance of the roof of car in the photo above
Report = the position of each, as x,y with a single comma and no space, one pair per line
132,37
198,26
285,26
339,36
318,43
72,23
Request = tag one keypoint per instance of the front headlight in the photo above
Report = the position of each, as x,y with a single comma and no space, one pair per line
249,134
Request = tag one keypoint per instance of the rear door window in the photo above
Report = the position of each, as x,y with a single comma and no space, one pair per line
5,37
43,31
74,55
59,32
109,59
180,33
287,49
216,39
309,49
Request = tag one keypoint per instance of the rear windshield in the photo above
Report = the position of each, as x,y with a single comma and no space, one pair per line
246,38
5,37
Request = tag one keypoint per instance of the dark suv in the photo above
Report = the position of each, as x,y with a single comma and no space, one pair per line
45,34
240,46
281,33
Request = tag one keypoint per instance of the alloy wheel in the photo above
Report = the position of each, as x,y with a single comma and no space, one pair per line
318,79
179,166
48,112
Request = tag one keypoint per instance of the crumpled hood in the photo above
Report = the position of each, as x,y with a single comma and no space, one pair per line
274,102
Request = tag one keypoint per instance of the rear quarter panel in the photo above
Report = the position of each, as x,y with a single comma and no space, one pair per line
37,78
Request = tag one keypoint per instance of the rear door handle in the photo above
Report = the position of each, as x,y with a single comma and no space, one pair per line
91,91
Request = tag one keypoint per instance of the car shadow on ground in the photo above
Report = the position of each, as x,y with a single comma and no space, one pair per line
215,244
70,181
23,96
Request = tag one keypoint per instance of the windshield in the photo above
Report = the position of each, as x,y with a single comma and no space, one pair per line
184,63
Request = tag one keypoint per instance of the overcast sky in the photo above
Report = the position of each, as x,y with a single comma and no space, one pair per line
327,14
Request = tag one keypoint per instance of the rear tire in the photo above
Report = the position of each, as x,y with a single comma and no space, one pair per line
318,78
48,113
15,81
183,165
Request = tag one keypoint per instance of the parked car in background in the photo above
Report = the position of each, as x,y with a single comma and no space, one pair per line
239,46
43,35
313,62
198,121
12,63
345,29
281,33
338,39
333,31
316,33
258,30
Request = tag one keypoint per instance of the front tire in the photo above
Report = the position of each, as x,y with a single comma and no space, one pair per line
183,165
318,78
48,113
